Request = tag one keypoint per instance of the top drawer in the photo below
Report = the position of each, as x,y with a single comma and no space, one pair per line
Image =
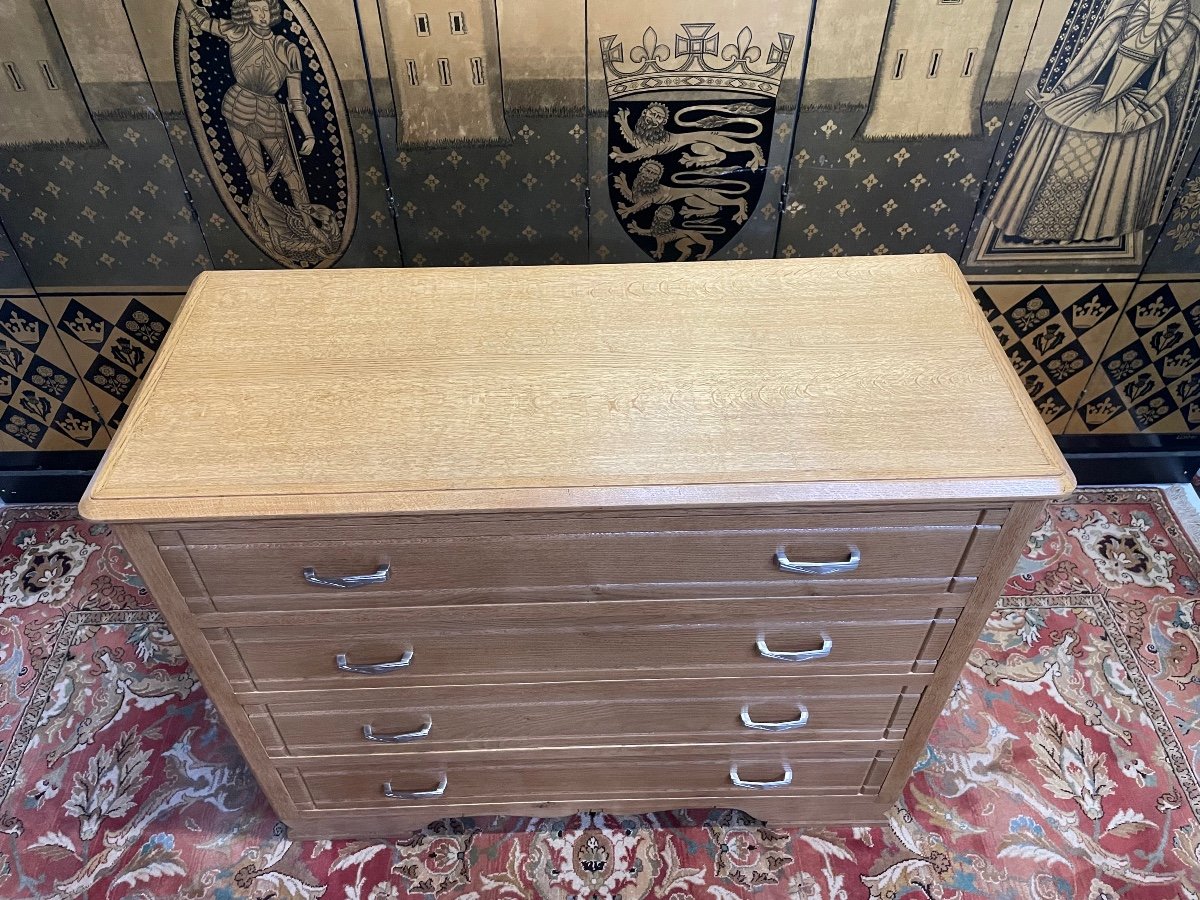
555,558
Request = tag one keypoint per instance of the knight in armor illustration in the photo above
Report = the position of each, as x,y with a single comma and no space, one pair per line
263,63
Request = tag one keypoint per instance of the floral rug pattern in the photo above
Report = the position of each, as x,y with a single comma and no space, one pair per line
1065,765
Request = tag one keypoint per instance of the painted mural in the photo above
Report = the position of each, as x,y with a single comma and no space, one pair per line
1049,146
290,186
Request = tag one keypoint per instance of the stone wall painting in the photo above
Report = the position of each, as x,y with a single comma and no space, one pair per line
690,117
1049,146
108,207
893,141
328,206
1147,379
507,184
284,168
1087,173
41,103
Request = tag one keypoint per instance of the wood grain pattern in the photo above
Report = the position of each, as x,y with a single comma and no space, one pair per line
766,381
580,477
666,712
498,565
514,643
646,774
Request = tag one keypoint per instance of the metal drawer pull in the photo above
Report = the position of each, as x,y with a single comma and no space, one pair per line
376,669
402,737
790,725
799,656
415,795
813,568
760,785
379,576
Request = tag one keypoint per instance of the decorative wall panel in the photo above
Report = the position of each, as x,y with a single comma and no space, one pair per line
1054,334
1048,146
45,403
111,341
487,162
107,207
691,118
1148,377
1096,141
268,108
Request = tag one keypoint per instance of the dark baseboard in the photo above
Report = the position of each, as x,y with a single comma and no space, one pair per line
53,477
62,476
1132,458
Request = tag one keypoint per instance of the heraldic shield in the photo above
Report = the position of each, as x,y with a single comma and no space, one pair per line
690,132
266,110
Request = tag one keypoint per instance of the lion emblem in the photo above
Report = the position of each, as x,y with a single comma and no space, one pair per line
708,146
664,231
701,196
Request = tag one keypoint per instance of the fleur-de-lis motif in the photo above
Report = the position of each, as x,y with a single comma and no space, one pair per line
743,49
651,50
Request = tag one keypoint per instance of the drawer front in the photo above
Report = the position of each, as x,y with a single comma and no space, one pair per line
524,643
447,781
668,712
574,565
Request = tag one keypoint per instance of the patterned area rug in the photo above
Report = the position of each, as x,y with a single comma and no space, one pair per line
1064,767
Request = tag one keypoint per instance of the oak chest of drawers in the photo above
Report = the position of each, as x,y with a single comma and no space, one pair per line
539,540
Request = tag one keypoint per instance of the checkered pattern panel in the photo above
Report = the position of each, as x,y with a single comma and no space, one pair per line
1053,335
45,405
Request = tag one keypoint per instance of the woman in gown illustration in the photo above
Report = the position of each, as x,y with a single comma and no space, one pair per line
262,63
1096,158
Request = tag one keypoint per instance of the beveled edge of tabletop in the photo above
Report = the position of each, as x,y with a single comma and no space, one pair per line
1053,481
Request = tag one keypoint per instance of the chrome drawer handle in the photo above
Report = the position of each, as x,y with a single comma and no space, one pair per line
799,656
379,576
760,785
813,568
414,795
402,737
790,725
375,669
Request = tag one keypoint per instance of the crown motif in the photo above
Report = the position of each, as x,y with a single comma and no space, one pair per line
1192,414
1099,413
76,427
24,330
88,330
1150,314
1178,365
1087,313
699,62
1051,407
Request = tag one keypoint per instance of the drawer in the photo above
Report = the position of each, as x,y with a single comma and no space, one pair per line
597,714
572,565
646,774
574,642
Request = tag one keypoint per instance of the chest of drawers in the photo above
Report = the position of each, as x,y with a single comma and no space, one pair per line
536,541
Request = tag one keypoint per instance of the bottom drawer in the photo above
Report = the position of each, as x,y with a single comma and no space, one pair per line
440,782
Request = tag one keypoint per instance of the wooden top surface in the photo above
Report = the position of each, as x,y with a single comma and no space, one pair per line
376,391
